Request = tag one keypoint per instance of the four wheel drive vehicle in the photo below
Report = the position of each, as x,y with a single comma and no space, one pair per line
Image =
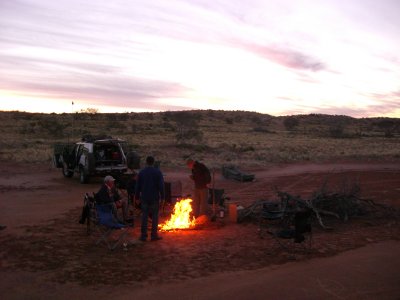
95,156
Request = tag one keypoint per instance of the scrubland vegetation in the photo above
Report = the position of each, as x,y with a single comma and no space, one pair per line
218,137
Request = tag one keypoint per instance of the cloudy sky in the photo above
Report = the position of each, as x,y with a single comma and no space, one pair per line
279,57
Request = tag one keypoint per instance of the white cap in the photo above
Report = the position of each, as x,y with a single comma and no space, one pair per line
109,178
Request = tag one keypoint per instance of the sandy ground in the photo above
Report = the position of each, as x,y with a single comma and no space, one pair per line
46,254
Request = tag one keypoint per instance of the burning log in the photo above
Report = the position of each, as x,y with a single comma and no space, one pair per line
181,217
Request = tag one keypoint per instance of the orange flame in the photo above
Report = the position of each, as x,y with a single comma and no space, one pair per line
180,218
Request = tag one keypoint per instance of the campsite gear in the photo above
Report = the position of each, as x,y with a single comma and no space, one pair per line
217,196
107,225
286,224
233,217
232,172
213,217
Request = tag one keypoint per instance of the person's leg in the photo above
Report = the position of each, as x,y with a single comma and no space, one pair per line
203,195
145,215
154,220
115,211
125,211
196,203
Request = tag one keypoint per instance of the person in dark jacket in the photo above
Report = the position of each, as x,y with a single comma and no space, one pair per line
201,177
150,190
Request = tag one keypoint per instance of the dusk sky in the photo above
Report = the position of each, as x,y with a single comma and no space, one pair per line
279,57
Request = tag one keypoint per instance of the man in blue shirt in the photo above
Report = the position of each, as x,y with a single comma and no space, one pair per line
150,190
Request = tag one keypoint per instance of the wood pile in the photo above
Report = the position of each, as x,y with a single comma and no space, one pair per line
341,205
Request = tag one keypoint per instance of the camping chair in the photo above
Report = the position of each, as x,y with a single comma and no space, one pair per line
176,191
216,196
88,215
173,192
107,225
289,227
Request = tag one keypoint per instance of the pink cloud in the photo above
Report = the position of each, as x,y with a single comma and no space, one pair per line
287,57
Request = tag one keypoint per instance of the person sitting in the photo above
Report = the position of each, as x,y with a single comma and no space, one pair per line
108,194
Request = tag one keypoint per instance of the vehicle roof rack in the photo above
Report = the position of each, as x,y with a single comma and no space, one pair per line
91,138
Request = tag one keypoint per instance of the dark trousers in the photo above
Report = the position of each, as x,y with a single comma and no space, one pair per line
152,210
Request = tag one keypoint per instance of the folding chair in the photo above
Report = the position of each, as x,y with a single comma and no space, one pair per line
108,225
217,196
287,226
88,214
173,192
176,191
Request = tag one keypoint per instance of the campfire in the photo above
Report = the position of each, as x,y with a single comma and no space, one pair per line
181,217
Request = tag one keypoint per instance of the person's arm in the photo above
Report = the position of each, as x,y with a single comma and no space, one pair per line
123,193
137,187
116,195
162,187
101,196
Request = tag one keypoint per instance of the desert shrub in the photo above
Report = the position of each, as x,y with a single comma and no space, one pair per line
52,126
164,116
123,117
135,128
28,128
90,110
257,120
116,125
84,132
291,123
388,126
336,126
150,116
21,115
111,117
210,113
168,126
262,129
336,130
246,149
229,121
195,147
189,134
187,126
238,118
79,116
233,142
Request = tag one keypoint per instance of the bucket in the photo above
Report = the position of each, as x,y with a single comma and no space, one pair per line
233,212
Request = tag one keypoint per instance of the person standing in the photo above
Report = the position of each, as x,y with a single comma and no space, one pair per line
201,177
150,190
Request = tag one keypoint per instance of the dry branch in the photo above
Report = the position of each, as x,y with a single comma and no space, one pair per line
342,205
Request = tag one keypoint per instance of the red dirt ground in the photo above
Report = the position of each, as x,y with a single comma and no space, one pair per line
46,254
